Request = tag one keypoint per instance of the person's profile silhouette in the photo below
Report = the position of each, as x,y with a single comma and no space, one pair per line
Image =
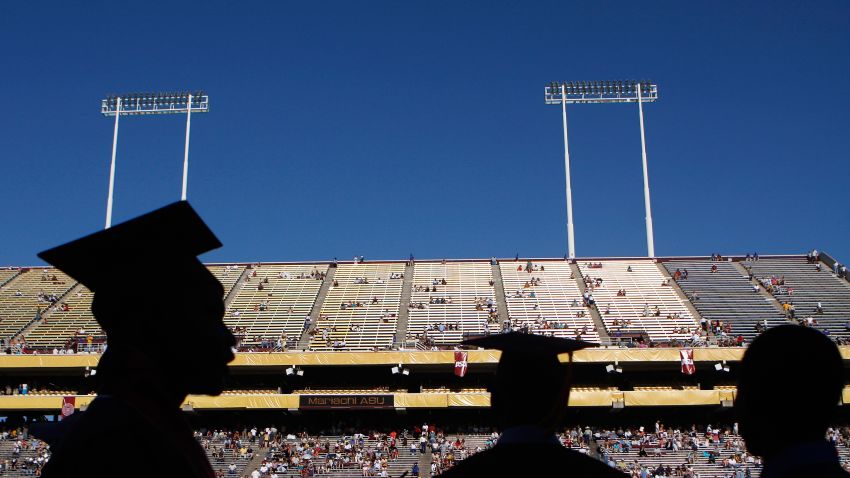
789,385
529,398
162,313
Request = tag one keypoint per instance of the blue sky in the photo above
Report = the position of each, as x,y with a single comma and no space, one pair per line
384,128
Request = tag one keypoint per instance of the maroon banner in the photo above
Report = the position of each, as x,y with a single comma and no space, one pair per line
67,407
460,363
687,356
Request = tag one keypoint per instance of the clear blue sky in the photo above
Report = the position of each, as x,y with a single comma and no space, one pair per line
384,128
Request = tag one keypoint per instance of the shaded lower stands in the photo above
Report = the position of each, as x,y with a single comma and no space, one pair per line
724,295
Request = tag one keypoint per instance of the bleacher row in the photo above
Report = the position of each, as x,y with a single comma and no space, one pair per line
267,302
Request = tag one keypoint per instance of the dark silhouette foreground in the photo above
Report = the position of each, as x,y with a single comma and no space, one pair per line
789,385
530,398
162,346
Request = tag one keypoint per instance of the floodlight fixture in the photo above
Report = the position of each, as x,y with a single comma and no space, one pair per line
294,371
133,104
629,91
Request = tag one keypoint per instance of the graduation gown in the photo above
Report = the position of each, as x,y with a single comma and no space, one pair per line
127,438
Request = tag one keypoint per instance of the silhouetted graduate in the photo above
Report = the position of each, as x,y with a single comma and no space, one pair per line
162,312
789,385
530,397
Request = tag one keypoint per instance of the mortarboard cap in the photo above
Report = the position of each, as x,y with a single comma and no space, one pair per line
174,231
521,344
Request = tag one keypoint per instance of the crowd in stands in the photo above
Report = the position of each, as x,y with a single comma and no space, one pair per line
38,453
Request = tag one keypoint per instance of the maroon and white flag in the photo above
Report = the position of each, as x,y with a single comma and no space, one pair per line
460,363
687,356
67,407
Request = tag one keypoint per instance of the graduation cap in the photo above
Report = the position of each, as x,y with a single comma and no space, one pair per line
528,352
174,232
528,358
531,386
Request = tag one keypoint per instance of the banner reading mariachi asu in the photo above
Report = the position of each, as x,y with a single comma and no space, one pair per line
687,356
461,363
67,407
346,402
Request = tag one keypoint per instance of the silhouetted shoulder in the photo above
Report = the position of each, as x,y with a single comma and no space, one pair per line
112,437
531,460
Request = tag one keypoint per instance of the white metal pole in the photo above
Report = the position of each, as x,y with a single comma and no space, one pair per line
650,242
186,152
571,243
112,166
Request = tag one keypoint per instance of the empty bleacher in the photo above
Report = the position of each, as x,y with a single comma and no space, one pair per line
64,325
467,284
227,275
554,306
77,322
805,286
361,311
725,295
642,280
20,298
275,300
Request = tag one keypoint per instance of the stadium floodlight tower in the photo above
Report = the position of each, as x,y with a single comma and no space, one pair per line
639,92
152,104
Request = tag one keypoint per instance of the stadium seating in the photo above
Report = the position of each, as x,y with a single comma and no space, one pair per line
556,300
227,275
467,284
19,298
725,295
27,457
7,274
644,292
805,287
78,323
361,312
65,325
659,456
280,308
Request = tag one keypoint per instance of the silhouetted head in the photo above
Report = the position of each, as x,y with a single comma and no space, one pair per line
789,386
160,307
532,386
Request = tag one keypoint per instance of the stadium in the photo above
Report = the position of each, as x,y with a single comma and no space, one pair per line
556,315
333,347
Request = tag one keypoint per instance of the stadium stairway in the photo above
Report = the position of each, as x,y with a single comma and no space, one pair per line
604,338
304,341
499,287
768,298
425,464
237,286
254,464
403,309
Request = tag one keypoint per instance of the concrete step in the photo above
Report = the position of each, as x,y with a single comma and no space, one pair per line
315,311
404,301
499,288
604,338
